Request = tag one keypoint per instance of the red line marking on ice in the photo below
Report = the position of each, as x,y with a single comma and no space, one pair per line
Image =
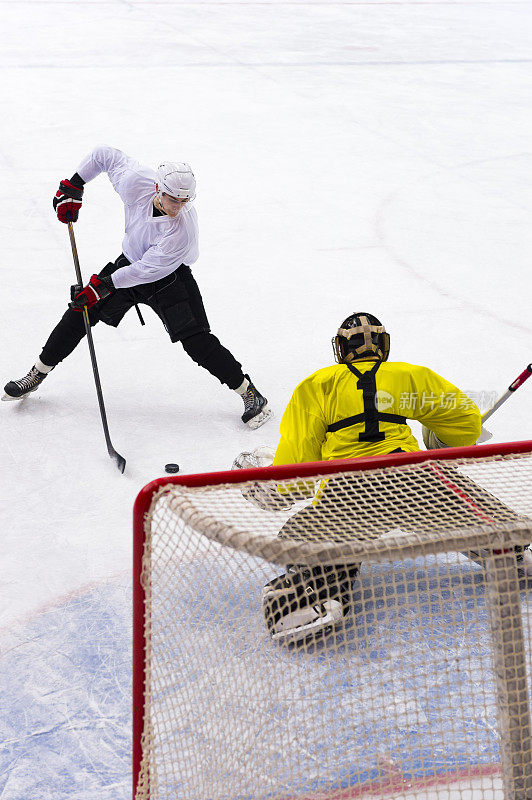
61,599
397,783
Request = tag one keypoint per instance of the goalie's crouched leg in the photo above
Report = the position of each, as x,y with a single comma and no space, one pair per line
307,604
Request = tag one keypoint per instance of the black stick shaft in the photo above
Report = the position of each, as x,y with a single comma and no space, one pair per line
120,460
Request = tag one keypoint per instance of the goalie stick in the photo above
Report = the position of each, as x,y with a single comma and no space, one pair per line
485,434
524,376
119,460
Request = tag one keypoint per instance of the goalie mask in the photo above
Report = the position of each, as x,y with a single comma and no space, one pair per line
361,336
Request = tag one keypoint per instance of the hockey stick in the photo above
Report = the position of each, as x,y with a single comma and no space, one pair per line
524,376
120,460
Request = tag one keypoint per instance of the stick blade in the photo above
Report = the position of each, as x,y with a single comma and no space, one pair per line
119,460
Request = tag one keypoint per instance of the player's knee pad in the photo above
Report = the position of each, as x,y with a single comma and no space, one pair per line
305,603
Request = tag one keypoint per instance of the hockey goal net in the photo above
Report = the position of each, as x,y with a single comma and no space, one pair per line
419,688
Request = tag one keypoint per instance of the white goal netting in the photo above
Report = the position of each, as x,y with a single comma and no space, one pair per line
421,685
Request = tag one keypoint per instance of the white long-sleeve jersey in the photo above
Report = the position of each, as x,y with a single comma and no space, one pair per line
155,245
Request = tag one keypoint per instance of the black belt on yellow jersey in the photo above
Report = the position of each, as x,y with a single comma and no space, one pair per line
371,416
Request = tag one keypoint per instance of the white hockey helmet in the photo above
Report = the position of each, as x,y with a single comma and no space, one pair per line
176,179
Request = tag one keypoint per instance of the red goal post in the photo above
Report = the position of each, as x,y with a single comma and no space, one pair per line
206,509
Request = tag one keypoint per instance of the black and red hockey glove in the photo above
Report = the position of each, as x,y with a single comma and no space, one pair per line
96,289
67,201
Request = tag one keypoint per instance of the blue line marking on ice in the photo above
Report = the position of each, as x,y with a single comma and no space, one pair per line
65,698
65,683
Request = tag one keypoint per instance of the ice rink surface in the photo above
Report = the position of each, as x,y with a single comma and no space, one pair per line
349,156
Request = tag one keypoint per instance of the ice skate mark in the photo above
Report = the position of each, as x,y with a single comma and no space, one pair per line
454,297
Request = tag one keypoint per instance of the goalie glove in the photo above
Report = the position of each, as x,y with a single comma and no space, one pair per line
264,496
259,457
431,441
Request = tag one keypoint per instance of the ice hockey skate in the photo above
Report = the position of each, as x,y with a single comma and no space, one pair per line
300,608
17,390
256,411
523,556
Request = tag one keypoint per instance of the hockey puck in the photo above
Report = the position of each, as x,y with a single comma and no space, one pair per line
171,468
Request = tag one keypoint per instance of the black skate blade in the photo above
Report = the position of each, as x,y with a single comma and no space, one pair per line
8,397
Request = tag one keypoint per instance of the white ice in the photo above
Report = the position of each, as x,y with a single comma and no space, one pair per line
349,156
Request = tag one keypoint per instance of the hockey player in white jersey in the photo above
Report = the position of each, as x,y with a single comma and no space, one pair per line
159,247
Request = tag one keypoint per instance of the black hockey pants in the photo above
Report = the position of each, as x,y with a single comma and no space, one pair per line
177,301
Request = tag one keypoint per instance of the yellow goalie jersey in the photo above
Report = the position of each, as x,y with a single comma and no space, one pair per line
333,415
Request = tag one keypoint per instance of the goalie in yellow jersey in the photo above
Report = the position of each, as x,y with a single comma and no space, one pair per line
360,407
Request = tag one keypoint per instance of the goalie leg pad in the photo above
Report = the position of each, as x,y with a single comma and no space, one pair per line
523,557
307,603
524,563
332,582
